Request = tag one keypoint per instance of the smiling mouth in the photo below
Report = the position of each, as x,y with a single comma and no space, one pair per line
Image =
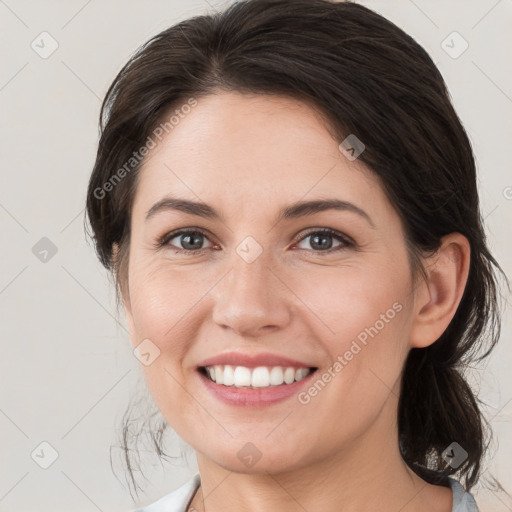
254,378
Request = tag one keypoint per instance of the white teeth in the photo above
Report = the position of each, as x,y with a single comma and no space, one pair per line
259,377
242,376
289,375
276,376
229,376
219,374
301,373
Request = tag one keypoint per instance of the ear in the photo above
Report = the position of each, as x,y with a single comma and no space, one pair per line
436,299
125,294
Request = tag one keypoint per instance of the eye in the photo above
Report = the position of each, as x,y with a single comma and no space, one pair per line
321,240
189,240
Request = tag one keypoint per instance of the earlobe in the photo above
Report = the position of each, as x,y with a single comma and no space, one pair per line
437,298
123,289
128,312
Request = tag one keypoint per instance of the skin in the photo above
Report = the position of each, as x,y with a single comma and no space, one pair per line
248,156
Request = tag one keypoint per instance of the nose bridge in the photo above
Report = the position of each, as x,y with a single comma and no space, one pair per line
251,296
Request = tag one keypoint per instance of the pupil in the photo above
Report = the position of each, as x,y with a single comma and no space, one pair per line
188,244
325,245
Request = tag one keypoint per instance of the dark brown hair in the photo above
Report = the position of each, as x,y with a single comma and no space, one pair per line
370,79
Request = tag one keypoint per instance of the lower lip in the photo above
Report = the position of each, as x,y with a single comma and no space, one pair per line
249,397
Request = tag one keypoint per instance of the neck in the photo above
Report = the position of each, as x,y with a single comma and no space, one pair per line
369,474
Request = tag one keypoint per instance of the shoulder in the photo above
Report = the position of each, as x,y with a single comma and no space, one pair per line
463,501
176,501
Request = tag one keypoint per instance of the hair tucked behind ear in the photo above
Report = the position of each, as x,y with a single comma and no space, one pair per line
370,79
437,407
438,398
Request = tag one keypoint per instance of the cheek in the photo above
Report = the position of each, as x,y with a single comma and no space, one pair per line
163,302
360,316
166,307
350,298
363,328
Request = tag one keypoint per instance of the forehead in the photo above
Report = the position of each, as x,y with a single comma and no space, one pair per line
253,151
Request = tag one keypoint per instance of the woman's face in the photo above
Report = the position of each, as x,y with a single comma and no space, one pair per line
255,282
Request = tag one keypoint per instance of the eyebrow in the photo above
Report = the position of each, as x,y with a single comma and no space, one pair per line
292,211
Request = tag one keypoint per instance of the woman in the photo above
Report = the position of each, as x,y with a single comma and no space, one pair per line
288,202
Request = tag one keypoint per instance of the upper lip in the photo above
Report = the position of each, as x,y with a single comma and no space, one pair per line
253,360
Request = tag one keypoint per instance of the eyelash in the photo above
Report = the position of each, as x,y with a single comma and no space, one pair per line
346,241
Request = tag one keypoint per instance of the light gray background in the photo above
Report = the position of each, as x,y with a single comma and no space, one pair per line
67,369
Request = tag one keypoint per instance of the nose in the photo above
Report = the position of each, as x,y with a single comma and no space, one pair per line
251,299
